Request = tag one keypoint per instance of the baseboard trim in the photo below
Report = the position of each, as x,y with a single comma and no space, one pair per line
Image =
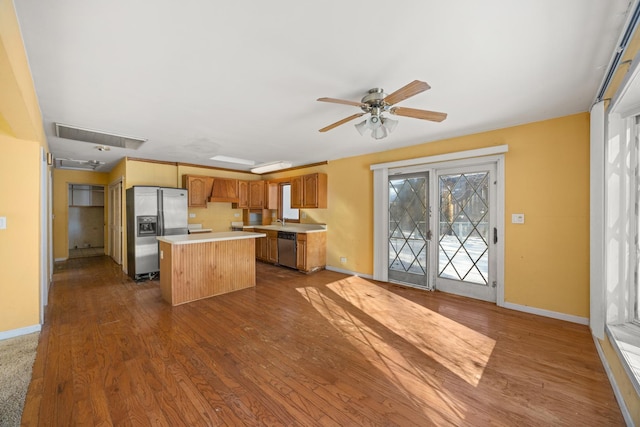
350,273
20,331
614,385
547,313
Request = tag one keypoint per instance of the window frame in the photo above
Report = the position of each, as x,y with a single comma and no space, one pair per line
281,185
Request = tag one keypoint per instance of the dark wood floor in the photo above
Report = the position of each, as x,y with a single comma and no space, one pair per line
296,350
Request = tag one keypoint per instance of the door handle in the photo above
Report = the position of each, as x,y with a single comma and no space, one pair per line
495,235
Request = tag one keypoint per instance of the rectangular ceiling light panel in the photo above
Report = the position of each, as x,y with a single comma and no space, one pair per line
236,160
97,137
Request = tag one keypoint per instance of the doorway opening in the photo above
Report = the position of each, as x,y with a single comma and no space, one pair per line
86,220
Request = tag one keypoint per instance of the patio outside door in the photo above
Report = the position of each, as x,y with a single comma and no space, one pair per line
409,229
467,233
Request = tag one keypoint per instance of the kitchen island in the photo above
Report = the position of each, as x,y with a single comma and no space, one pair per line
197,266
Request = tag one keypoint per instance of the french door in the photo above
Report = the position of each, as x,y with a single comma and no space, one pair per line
409,229
442,229
467,231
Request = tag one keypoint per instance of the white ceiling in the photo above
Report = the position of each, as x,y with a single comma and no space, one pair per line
241,78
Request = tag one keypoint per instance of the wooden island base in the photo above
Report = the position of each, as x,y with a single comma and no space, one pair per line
189,272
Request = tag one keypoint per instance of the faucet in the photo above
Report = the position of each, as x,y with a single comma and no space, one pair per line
281,221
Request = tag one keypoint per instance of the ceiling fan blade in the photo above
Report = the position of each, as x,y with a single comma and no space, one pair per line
413,88
434,116
341,122
340,101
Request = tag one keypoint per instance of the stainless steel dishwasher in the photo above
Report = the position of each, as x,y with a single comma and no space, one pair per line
287,249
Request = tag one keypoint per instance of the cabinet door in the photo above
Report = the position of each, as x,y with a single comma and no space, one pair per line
297,189
310,192
256,194
261,248
271,196
197,187
301,252
272,247
315,190
243,195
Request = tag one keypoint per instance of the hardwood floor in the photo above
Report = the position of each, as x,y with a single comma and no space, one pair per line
297,350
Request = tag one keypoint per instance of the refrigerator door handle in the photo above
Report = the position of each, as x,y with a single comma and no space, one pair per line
160,214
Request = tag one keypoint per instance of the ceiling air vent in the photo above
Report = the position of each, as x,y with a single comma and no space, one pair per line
78,164
97,137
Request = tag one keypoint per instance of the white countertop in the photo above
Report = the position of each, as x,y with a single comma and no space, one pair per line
184,239
294,228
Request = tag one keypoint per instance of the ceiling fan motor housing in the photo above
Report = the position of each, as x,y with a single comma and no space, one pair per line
373,102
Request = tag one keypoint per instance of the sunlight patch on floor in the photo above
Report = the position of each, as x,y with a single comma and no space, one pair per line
460,349
400,363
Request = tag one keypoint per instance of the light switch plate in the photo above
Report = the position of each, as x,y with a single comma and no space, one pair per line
3,222
517,218
192,215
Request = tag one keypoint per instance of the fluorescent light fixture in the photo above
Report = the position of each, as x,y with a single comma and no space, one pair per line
236,160
270,167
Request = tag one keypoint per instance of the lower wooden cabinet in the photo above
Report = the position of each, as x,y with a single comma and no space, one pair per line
272,246
311,251
267,247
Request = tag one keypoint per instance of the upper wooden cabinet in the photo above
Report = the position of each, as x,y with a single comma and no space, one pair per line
309,191
251,195
224,190
199,188
271,195
243,195
256,194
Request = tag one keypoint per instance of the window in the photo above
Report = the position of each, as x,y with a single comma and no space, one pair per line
285,210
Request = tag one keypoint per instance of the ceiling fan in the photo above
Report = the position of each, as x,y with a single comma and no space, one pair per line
376,102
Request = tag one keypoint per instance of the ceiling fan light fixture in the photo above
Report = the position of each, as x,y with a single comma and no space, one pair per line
379,132
389,124
362,127
374,122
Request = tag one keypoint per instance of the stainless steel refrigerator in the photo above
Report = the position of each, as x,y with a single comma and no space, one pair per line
152,212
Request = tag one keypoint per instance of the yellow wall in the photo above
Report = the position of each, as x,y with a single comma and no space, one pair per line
19,243
21,139
61,180
19,109
547,179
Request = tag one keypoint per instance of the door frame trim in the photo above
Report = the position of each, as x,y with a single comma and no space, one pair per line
381,174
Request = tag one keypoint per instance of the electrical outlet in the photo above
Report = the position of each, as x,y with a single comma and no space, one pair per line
517,218
3,222
161,254
237,215
343,260
192,215
304,215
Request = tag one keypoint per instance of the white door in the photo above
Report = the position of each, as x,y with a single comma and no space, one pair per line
465,255
115,221
409,232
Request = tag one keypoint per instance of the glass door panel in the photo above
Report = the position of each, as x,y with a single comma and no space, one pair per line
465,246
409,229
